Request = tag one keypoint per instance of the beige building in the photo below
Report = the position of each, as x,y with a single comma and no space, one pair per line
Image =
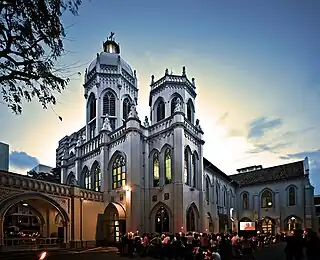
122,175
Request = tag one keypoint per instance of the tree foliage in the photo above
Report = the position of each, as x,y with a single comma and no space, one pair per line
53,176
31,41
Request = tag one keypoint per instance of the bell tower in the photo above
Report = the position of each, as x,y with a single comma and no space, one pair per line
110,88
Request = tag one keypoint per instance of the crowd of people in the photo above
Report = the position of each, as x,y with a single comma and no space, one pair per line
198,246
194,245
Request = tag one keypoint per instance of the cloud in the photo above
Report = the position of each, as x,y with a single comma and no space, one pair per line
273,148
22,160
259,126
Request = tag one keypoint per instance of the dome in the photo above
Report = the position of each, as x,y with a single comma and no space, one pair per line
110,56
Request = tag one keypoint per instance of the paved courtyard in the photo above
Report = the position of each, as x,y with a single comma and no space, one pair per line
274,252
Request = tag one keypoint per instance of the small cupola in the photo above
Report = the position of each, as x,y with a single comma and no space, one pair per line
110,45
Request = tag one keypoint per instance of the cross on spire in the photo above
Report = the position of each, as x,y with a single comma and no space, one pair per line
111,37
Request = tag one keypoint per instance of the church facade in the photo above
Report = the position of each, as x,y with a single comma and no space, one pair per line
152,172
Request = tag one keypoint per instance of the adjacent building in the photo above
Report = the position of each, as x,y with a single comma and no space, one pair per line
4,157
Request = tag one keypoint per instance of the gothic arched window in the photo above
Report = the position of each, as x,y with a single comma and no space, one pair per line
119,172
126,108
156,170
97,178
224,198
167,169
186,167
194,170
217,194
292,196
173,104
87,180
92,107
109,104
245,201
190,111
266,199
160,111
207,194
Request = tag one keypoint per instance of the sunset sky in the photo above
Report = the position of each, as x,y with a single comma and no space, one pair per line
256,65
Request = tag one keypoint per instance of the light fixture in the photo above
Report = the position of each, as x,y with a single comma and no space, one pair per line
126,188
269,203
25,204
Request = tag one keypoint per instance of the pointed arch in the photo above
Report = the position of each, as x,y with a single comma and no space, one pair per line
194,167
96,176
291,191
217,193
118,169
126,106
245,200
192,215
190,110
109,103
266,198
85,178
173,100
245,219
161,218
187,155
292,223
156,170
91,106
207,191
70,178
168,166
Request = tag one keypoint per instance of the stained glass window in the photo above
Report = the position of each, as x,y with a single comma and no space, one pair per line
266,199
167,162
186,167
119,172
156,171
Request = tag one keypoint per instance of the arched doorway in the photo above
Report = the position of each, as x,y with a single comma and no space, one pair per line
30,218
245,220
114,223
211,225
192,218
292,223
268,226
162,220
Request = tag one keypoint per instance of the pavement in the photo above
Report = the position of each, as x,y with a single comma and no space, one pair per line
273,252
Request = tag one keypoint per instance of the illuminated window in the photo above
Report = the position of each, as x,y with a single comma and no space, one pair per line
97,178
245,201
119,172
156,171
292,196
160,111
87,180
167,162
126,108
186,167
266,199
109,104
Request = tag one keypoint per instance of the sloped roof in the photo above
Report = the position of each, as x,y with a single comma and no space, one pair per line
207,164
271,174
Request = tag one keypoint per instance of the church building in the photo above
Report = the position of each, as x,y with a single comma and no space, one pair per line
152,171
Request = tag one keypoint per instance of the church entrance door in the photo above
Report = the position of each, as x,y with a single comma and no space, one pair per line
114,223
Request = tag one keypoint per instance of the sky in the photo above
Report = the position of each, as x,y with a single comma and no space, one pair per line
256,65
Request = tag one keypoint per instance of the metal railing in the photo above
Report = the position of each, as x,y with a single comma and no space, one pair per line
32,242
